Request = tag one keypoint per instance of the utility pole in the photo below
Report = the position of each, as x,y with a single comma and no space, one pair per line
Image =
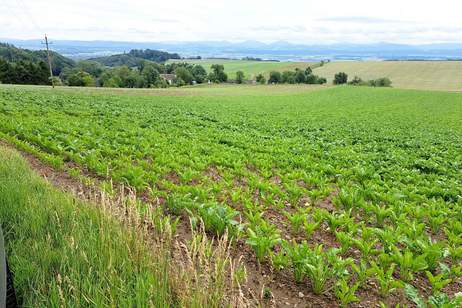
49,62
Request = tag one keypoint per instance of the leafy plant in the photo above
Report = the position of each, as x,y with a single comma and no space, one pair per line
409,263
438,282
263,239
387,283
345,293
219,218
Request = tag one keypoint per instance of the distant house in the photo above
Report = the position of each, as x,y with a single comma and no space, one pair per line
170,78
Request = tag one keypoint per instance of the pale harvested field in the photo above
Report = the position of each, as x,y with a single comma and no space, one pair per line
424,75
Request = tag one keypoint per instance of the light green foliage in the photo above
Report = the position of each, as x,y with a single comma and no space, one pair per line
346,293
387,283
437,300
262,239
374,165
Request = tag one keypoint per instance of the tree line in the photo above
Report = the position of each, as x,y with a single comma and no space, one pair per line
342,78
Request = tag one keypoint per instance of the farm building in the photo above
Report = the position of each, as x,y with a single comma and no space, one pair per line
170,78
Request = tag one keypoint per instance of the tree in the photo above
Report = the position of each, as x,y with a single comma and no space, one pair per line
239,77
81,79
260,79
300,76
357,81
6,71
183,74
288,77
218,73
150,74
199,73
308,71
91,67
321,80
340,78
381,82
275,77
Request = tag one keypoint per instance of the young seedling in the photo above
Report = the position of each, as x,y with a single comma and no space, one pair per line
409,263
438,282
263,239
387,283
345,293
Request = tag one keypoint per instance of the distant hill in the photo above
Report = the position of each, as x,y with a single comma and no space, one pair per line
135,57
283,51
11,53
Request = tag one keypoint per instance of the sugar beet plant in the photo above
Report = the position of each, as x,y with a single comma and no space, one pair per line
340,188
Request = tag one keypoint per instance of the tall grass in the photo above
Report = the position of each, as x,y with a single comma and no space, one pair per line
113,251
66,253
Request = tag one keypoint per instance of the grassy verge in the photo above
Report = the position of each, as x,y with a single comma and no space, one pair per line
67,253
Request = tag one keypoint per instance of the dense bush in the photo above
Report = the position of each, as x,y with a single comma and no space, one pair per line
260,79
380,82
340,78
240,77
218,74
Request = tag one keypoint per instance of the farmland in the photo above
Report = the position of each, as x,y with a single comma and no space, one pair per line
350,193
424,75
250,68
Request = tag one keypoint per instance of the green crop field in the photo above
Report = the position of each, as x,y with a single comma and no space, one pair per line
250,68
425,75
344,193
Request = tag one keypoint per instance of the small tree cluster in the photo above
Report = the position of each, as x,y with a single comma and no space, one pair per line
146,75
218,74
380,82
297,76
340,78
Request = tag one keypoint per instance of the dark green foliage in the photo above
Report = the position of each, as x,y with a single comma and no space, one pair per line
218,73
91,67
297,76
357,81
380,82
275,77
13,54
81,79
184,74
340,78
199,73
240,77
150,74
260,79
24,72
300,76
153,55
288,77
136,57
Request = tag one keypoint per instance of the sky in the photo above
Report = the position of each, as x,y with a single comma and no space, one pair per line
296,21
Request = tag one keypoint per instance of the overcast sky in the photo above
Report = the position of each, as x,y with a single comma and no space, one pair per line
302,21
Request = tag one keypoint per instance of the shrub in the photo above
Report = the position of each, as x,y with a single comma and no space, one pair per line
340,78
357,81
275,77
381,82
260,79
239,77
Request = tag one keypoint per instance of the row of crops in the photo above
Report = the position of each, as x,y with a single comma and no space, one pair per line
352,191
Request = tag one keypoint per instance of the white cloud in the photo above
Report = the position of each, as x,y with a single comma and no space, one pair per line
302,21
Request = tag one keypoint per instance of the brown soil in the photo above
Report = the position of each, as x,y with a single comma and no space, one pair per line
284,291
